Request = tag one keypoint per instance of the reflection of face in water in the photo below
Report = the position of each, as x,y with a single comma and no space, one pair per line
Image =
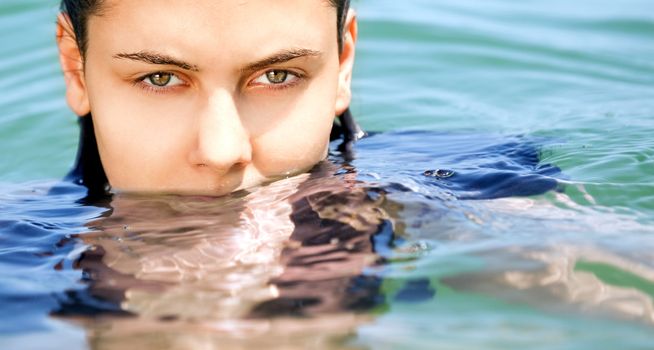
295,247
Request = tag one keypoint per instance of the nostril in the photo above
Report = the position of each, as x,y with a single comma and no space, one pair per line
242,163
220,162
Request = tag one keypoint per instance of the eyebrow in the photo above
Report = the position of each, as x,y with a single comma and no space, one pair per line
157,58
280,57
161,59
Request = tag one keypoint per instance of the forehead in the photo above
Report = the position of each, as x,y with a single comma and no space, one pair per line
213,25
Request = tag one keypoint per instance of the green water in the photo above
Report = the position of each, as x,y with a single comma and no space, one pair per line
579,73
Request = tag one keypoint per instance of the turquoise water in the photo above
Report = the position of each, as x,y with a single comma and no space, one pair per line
567,269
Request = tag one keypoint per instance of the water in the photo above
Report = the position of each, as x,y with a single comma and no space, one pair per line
549,100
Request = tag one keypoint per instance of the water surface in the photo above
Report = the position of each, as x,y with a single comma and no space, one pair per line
507,203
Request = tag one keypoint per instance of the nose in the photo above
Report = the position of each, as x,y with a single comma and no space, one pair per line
223,142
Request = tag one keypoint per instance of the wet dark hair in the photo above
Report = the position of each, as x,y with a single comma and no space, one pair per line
88,169
80,10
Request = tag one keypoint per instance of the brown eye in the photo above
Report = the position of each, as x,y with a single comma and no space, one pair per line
160,79
277,76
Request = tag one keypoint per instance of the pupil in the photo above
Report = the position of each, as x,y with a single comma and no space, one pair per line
160,79
277,76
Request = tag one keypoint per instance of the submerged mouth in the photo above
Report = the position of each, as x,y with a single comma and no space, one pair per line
236,184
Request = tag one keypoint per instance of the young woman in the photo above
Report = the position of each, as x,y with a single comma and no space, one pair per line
205,98
209,97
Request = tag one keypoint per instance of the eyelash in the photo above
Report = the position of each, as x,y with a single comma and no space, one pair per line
298,78
140,82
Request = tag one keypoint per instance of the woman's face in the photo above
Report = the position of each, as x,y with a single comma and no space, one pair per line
209,96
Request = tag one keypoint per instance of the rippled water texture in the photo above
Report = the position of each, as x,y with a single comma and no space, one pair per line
504,201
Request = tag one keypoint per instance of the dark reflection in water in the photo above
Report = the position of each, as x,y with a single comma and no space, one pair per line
302,244
332,243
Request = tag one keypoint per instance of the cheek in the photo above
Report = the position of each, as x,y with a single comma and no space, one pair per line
292,150
299,136
138,139
296,143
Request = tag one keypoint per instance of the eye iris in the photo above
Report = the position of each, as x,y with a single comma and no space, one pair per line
277,76
160,79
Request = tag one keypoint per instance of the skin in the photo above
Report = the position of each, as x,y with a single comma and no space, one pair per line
252,90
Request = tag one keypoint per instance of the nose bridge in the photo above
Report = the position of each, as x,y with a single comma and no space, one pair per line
222,139
220,113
